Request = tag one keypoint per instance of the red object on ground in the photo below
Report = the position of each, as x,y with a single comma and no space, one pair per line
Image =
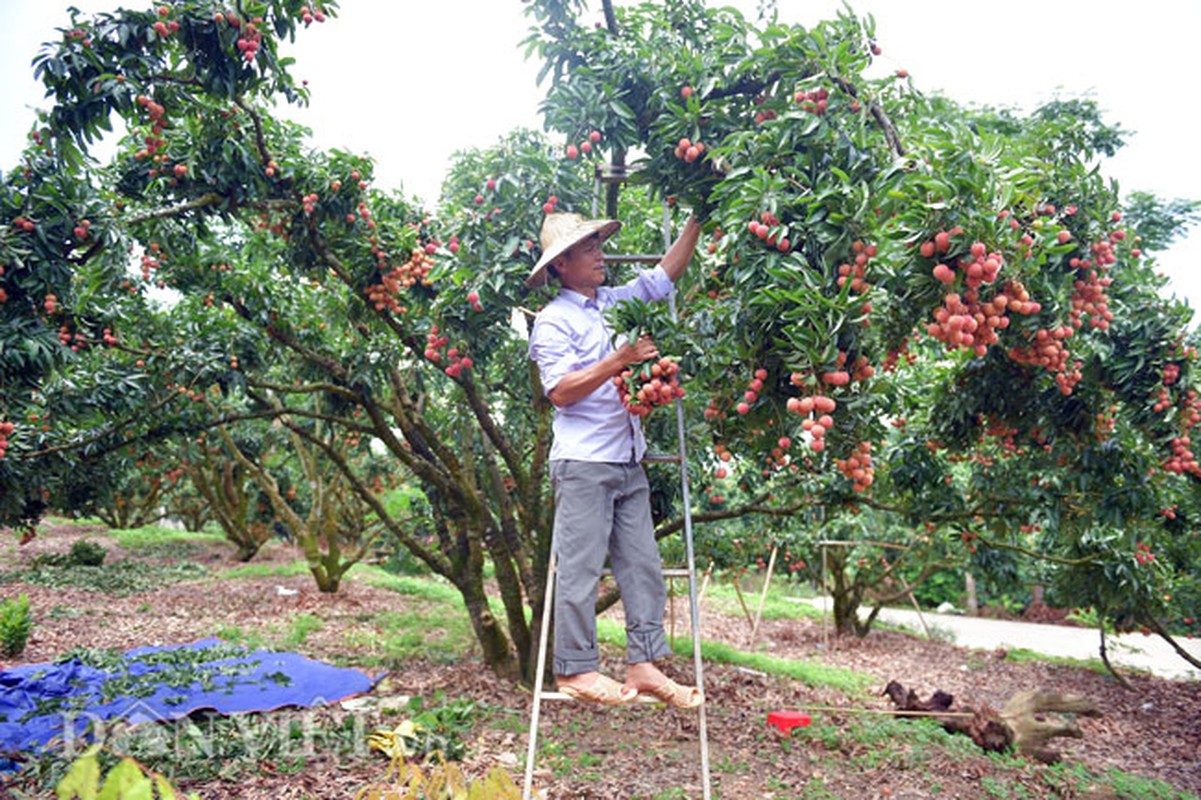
785,721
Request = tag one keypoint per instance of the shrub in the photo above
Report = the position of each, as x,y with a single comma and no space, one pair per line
86,553
15,624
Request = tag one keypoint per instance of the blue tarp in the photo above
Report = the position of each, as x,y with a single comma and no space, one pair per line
39,702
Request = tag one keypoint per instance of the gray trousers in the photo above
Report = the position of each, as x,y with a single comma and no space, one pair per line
603,507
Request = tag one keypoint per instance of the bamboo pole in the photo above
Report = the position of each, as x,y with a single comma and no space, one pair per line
705,582
771,565
891,712
742,601
825,600
916,607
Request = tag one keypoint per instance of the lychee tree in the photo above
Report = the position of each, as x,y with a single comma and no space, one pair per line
272,282
934,311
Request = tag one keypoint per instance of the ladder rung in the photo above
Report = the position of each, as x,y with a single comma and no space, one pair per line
661,458
668,572
633,258
615,173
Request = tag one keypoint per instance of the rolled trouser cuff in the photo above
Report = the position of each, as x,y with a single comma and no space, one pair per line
575,662
646,643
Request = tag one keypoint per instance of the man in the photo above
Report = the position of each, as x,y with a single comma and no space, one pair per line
602,499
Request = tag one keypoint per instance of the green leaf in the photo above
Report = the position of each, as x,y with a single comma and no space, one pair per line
126,781
82,779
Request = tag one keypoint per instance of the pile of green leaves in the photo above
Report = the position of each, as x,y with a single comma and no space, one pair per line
119,578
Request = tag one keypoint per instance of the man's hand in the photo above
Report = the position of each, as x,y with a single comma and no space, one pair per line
681,250
635,352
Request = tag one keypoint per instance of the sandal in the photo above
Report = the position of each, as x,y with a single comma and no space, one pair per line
672,693
604,691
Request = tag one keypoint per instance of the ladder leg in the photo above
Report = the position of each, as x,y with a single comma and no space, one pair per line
693,599
539,673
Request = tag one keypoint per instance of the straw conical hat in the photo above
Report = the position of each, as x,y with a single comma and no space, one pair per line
559,232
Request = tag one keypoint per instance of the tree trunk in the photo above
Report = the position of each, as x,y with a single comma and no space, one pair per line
1023,724
969,590
488,632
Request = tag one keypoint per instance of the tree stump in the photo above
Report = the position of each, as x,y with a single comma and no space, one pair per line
1027,723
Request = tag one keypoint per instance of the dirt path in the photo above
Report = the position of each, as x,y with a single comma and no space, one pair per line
1136,651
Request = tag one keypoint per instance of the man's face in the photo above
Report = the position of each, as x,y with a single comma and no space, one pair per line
582,267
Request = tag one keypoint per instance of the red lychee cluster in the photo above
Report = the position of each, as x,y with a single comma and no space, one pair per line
251,38
151,260
816,410
712,411
1089,298
435,343
688,150
764,114
1143,554
860,370
762,228
164,27
549,206
384,295
458,362
153,140
1183,460
311,14
856,272
893,357
858,468
814,102
777,457
1163,400
978,267
751,394
6,430
1049,352
652,383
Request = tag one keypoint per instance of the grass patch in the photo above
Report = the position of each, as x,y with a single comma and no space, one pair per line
811,674
154,537
299,629
298,567
779,604
435,632
1023,656
235,634
425,587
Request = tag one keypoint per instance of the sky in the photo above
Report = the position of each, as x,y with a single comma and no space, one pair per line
410,83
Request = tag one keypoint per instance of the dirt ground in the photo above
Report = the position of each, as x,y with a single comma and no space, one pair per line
650,752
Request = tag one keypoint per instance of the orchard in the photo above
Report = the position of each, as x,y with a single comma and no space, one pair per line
936,323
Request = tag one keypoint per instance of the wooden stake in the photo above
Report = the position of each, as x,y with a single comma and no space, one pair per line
771,565
742,602
894,713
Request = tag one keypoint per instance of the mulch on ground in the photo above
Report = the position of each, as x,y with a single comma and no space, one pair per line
1154,731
